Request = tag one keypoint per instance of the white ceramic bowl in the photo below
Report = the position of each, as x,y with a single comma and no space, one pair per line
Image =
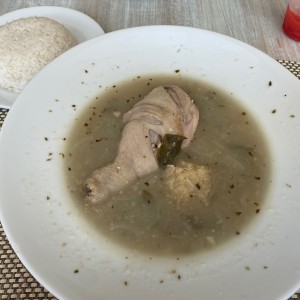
51,237
80,25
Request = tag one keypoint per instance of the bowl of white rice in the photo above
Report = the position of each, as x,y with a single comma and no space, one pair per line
26,46
31,38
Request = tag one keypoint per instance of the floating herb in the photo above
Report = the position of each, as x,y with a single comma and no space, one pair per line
170,148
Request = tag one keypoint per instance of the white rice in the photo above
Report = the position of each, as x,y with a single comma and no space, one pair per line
26,46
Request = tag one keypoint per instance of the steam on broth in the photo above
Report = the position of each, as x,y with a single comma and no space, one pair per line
228,143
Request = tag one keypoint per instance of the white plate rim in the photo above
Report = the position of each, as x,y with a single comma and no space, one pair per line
293,82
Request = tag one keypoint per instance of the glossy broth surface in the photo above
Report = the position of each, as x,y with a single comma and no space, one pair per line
228,142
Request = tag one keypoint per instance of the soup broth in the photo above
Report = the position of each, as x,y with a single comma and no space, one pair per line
228,142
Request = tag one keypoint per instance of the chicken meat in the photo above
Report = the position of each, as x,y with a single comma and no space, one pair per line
165,110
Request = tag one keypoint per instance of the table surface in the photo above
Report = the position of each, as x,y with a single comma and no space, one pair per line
256,22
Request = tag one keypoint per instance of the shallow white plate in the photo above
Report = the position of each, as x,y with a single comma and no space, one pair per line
80,25
51,237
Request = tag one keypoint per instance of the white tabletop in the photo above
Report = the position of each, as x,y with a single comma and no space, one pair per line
256,22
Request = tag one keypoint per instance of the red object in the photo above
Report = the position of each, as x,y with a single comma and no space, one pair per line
291,24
